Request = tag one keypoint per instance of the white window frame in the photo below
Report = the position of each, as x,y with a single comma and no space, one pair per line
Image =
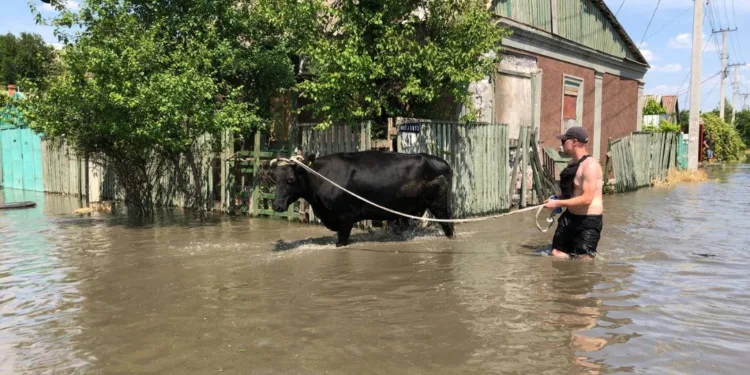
579,101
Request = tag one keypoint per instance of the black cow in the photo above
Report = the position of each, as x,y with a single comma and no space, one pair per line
407,183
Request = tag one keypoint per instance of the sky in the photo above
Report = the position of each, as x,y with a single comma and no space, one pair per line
666,42
668,45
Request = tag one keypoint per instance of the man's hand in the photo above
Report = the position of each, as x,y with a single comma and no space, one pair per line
551,204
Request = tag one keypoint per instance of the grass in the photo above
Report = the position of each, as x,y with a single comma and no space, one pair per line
675,176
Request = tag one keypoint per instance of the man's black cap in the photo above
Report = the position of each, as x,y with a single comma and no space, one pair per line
578,133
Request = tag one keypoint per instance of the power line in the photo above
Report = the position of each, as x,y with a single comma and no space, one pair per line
618,9
688,73
702,82
726,12
649,22
709,93
668,23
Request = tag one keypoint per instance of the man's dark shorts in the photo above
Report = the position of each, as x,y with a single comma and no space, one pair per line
577,234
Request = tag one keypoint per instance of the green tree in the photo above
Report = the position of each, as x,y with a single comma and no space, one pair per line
148,80
26,56
653,108
383,58
727,111
684,120
742,123
728,145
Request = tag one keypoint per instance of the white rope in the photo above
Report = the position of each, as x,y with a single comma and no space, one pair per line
296,160
550,220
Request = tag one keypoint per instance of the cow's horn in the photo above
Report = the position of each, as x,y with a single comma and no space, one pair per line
273,162
298,157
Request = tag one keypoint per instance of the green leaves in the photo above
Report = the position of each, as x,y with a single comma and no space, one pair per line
397,58
728,145
653,108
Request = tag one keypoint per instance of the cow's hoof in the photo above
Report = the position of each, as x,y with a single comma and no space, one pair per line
340,244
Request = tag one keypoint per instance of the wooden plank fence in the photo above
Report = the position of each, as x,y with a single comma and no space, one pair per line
641,158
63,171
478,154
336,138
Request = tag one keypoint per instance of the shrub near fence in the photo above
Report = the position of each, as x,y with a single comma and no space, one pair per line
641,158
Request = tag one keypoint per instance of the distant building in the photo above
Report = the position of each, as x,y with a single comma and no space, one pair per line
669,102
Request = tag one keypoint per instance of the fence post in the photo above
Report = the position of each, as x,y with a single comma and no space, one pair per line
524,164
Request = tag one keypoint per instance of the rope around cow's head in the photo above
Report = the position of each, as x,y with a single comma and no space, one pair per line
285,161
300,161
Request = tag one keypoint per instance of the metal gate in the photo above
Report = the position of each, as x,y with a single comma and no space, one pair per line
21,159
682,151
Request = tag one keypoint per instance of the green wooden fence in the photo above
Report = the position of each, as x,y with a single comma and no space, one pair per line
478,155
336,138
641,158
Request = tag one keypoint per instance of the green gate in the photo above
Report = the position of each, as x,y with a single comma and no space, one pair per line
20,152
21,159
682,151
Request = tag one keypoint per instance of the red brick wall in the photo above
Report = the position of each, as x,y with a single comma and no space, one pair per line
552,85
619,108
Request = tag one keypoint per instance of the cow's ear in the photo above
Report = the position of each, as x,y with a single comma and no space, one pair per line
310,159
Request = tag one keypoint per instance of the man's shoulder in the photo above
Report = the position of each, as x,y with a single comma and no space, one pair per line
591,165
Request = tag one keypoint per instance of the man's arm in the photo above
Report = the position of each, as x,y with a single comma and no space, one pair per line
589,189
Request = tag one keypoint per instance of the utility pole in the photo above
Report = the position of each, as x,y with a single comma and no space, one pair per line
744,99
695,86
723,67
736,90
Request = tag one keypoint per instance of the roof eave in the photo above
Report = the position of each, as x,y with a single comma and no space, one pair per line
621,30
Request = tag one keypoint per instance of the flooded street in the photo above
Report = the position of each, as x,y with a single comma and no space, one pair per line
98,294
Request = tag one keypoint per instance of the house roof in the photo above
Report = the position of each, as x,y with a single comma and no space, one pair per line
632,47
669,102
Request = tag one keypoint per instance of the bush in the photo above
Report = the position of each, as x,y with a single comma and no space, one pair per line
664,127
728,145
653,108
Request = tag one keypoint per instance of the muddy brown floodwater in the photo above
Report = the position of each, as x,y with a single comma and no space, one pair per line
99,294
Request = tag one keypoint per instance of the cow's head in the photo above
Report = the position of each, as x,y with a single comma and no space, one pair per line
291,181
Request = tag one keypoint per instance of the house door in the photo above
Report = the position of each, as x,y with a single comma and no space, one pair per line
21,159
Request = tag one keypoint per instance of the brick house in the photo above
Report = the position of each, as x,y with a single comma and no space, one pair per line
568,62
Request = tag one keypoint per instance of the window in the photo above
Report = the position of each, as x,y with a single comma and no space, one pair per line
572,105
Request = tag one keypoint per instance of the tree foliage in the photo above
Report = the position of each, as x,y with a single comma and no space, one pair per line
728,145
742,124
653,108
664,127
144,81
148,79
385,58
25,57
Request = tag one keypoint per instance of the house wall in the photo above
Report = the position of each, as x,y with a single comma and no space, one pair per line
619,108
552,93
610,112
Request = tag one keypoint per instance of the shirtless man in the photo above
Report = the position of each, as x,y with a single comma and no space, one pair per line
579,227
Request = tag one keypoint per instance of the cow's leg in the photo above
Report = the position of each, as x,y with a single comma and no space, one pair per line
440,204
398,225
345,229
